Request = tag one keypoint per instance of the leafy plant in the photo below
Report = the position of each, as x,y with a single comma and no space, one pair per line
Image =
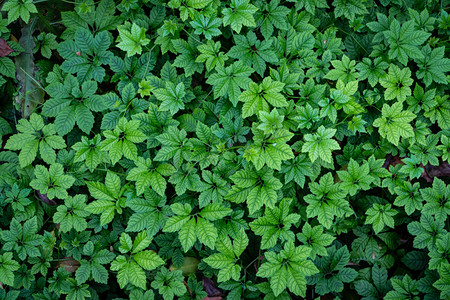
242,149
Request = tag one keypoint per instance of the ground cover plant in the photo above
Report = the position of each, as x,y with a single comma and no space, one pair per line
206,149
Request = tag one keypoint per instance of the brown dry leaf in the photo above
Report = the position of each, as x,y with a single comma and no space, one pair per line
5,49
45,199
70,264
442,170
210,288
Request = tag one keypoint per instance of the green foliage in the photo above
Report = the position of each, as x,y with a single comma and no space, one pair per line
263,149
72,214
288,269
19,9
394,123
169,284
52,181
92,267
320,144
109,195
380,216
22,238
8,266
35,136
131,267
131,39
229,253
332,271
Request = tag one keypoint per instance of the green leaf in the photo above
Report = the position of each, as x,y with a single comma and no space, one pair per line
226,259
397,83
121,141
355,178
326,201
288,269
230,80
403,41
320,144
7,268
72,214
394,122
169,283
52,182
240,13
258,97
131,38
253,52
33,136
22,9
380,216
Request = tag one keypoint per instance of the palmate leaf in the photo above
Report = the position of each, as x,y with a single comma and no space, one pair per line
192,228
397,83
380,216
310,5
109,198
315,239
34,136
297,169
270,15
230,80
147,176
326,201
88,151
211,55
269,150
23,239
275,224
121,141
131,267
343,70
320,144
172,97
90,49
403,41
240,13
207,26
169,283
131,38
151,213
288,269
333,271
440,112
94,266
356,177
408,195
349,8
72,214
437,200
394,123
257,193
252,52
226,259
22,9
187,53
372,70
52,182
258,97
403,288
433,65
